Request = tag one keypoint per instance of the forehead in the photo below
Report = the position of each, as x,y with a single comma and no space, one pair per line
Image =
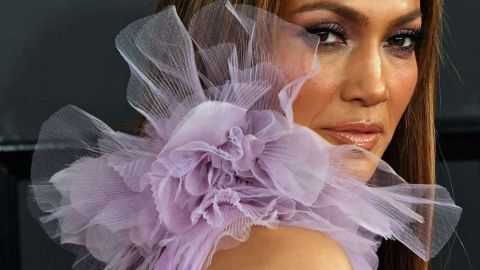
360,10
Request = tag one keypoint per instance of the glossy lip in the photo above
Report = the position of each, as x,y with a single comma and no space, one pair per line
364,134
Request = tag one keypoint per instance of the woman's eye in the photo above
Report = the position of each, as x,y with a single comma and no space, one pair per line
401,41
330,34
404,42
328,37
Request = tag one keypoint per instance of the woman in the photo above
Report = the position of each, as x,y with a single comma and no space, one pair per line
262,143
394,84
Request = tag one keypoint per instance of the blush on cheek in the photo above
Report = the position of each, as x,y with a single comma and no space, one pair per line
401,88
401,93
315,96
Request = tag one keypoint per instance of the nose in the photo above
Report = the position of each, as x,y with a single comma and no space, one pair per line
366,82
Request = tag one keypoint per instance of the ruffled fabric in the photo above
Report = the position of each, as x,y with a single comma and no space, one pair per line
220,153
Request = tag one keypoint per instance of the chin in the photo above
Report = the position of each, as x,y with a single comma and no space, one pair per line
378,151
361,165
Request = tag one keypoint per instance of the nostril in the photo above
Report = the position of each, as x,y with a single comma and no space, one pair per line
366,97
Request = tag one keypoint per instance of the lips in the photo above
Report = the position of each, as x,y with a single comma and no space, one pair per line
364,134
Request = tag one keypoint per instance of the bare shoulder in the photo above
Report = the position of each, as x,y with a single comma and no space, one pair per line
284,248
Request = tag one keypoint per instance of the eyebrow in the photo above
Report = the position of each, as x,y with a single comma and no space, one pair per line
357,17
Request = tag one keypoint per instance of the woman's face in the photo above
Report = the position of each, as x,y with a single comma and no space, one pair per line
368,68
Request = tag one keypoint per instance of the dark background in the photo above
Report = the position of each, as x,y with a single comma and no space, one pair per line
54,53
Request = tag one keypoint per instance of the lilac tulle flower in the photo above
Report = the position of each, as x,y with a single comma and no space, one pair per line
201,176
220,153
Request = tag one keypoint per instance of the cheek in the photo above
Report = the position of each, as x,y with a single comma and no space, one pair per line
314,98
401,91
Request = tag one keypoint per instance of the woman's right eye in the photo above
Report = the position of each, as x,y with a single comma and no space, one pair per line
330,34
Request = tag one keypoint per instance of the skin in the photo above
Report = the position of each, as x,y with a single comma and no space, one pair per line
364,77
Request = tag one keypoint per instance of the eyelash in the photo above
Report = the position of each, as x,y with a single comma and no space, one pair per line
415,35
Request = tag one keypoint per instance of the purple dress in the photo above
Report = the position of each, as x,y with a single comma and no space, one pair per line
220,153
